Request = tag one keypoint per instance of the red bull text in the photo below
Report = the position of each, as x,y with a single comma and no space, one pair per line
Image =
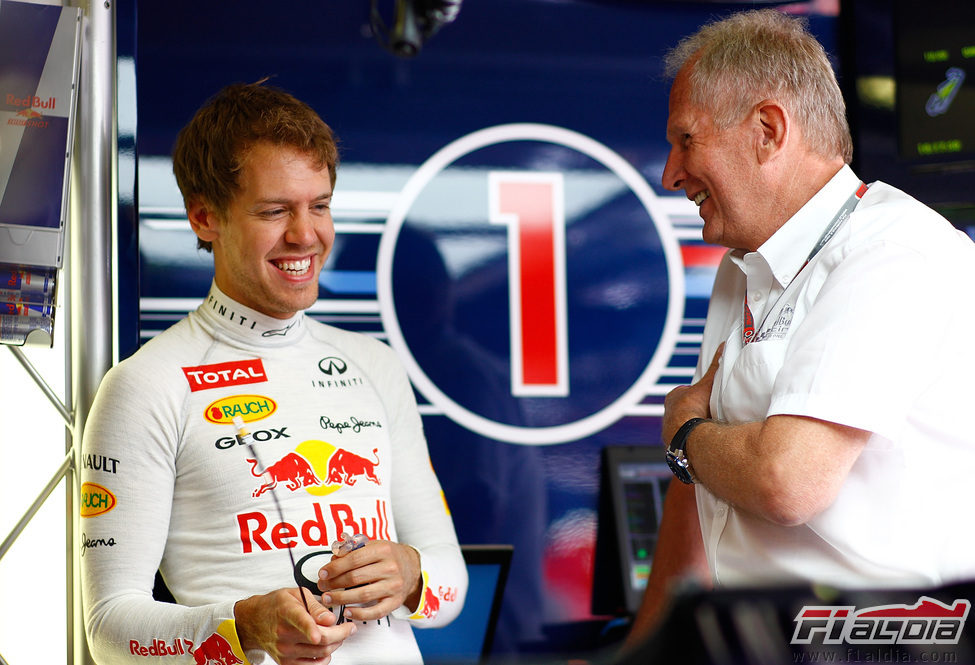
32,102
256,533
159,647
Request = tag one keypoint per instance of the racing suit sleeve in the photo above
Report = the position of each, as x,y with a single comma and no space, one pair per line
128,476
419,508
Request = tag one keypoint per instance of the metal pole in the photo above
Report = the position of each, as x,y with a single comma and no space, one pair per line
38,502
42,384
91,286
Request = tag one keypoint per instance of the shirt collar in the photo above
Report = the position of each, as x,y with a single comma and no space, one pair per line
246,324
788,248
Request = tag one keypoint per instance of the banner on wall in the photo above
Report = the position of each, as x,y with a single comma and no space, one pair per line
39,56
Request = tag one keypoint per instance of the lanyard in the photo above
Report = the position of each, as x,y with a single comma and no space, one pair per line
748,330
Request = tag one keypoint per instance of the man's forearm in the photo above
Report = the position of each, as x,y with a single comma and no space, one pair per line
785,469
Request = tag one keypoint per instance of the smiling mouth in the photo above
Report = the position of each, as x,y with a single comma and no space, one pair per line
701,197
294,268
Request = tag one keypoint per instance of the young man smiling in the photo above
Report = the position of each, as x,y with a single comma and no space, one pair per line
232,527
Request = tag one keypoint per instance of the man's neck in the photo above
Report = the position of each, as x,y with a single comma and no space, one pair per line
791,188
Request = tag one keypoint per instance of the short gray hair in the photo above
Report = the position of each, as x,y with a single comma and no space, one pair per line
753,55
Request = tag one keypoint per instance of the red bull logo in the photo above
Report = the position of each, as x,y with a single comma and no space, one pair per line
31,102
317,467
293,470
221,375
29,113
96,500
159,647
248,407
216,650
431,604
258,533
346,468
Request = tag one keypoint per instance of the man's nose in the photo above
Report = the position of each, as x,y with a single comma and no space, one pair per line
673,177
301,229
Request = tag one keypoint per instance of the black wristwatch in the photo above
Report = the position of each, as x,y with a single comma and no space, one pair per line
676,457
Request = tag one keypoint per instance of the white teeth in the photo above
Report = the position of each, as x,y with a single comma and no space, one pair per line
699,199
294,267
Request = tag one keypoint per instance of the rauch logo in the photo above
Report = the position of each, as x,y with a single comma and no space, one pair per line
248,407
96,500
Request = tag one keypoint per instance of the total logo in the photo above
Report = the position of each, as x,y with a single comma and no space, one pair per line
317,467
221,375
248,407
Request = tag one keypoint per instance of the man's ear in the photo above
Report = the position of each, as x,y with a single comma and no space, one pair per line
203,219
774,127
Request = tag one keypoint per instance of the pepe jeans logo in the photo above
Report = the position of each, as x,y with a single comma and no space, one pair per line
332,364
352,424
928,621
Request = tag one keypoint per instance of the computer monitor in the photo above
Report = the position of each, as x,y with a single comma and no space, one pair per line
633,482
467,639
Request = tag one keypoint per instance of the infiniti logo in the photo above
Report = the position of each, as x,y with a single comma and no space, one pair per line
330,364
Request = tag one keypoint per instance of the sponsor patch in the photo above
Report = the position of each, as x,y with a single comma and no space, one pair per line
248,407
221,375
96,500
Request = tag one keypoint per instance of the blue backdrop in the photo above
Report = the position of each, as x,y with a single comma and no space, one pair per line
422,262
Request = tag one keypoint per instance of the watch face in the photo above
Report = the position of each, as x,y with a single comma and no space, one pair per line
678,464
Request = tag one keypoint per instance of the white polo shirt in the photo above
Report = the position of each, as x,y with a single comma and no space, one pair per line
876,332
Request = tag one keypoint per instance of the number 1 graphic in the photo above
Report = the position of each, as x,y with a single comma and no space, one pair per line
532,206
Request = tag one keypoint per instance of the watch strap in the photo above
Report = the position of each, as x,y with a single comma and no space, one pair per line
679,442
676,452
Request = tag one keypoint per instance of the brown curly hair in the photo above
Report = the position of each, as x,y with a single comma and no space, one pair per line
210,150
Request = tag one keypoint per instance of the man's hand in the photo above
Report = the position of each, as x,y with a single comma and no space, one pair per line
686,402
382,573
278,624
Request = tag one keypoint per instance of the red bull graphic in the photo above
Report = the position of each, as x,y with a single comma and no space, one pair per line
31,102
258,534
345,467
431,604
96,500
159,647
221,375
430,601
27,116
248,407
319,468
292,469
216,650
